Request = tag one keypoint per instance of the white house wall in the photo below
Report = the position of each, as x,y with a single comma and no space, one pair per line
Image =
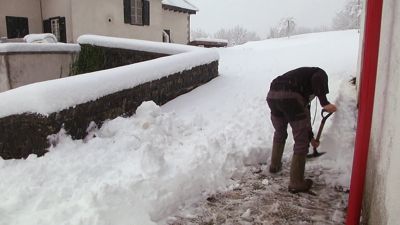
21,8
178,24
105,17
382,195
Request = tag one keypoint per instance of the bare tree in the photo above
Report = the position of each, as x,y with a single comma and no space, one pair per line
198,33
285,28
349,17
236,36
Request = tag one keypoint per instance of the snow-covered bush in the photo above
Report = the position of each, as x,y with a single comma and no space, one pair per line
349,17
237,35
285,28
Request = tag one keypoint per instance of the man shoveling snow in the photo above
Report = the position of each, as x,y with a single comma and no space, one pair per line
289,101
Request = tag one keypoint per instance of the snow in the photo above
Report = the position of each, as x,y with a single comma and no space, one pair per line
180,4
143,169
138,45
35,47
40,38
55,95
211,40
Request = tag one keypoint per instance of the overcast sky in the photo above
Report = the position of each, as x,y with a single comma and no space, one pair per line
260,15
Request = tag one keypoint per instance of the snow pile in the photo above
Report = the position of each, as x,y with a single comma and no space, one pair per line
34,47
211,40
138,45
40,38
134,171
55,95
338,140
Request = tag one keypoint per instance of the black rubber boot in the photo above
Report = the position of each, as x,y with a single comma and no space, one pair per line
297,182
276,157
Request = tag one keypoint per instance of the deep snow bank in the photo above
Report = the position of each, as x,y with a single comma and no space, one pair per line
134,171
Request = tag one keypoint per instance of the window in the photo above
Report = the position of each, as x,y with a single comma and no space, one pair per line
137,12
56,26
17,27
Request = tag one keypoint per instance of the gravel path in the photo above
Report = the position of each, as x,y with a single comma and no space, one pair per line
262,199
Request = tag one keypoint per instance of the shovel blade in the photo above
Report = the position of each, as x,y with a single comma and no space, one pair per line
315,154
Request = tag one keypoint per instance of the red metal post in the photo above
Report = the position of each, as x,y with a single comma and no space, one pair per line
366,105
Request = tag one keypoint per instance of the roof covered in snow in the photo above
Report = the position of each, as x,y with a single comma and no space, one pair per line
180,5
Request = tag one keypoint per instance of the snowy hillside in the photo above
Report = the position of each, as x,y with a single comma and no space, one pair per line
141,170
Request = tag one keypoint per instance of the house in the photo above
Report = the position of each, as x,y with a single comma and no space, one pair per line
154,20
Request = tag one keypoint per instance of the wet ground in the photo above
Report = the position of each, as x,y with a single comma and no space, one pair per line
261,198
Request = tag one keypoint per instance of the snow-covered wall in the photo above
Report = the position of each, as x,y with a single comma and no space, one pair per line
382,195
74,102
25,63
138,45
100,52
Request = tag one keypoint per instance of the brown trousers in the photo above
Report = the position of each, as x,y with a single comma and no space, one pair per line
290,108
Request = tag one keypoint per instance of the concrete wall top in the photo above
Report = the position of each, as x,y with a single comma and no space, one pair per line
8,48
139,45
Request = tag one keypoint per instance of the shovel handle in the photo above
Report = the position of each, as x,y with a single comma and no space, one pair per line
324,118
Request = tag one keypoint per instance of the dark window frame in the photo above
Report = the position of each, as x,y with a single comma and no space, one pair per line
14,25
47,28
137,12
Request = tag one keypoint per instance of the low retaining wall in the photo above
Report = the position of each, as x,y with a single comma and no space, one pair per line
94,58
25,134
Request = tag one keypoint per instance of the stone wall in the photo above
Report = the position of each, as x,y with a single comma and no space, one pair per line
94,58
27,133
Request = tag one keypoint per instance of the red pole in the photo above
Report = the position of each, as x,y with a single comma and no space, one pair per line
366,105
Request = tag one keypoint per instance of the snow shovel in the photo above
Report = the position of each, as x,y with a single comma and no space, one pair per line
324,118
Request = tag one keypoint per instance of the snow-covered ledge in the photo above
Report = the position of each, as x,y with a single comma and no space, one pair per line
26,63
74,102
11,48
138,45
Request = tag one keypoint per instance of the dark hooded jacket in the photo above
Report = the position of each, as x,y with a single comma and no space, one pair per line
307,81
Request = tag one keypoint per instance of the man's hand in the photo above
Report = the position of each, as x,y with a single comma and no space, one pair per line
330,108
314,143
